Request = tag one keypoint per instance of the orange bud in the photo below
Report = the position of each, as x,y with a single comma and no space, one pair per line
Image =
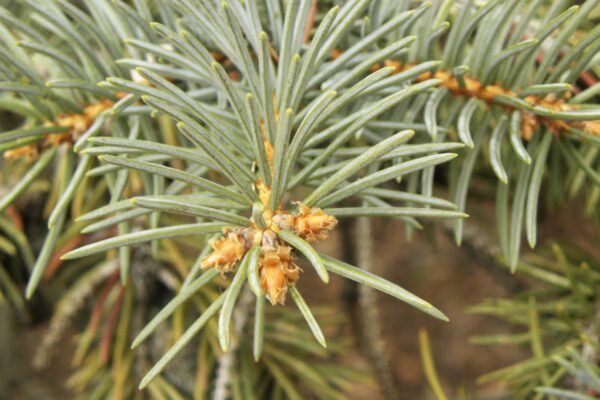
313,224
227,251
29,152
592,127
277,272
269,152
393,63
375,67
472,85
264,193
335,53
528,125
489,92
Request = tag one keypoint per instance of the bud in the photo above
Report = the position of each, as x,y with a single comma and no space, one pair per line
277,272
227,251
312,224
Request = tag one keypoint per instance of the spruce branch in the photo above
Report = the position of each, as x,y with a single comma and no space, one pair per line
173,122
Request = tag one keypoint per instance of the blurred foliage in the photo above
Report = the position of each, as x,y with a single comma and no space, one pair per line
558,319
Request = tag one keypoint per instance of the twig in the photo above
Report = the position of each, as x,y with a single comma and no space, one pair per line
589,351
371,327
487,252
310,23
227,360
106,342
71,303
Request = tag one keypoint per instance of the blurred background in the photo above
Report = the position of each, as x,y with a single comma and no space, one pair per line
430,265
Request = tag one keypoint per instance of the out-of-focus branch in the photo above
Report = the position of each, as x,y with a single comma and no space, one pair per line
478,244
227,360
589,351
371,326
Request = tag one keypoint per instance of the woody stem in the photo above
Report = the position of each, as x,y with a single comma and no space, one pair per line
371,326
227,360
